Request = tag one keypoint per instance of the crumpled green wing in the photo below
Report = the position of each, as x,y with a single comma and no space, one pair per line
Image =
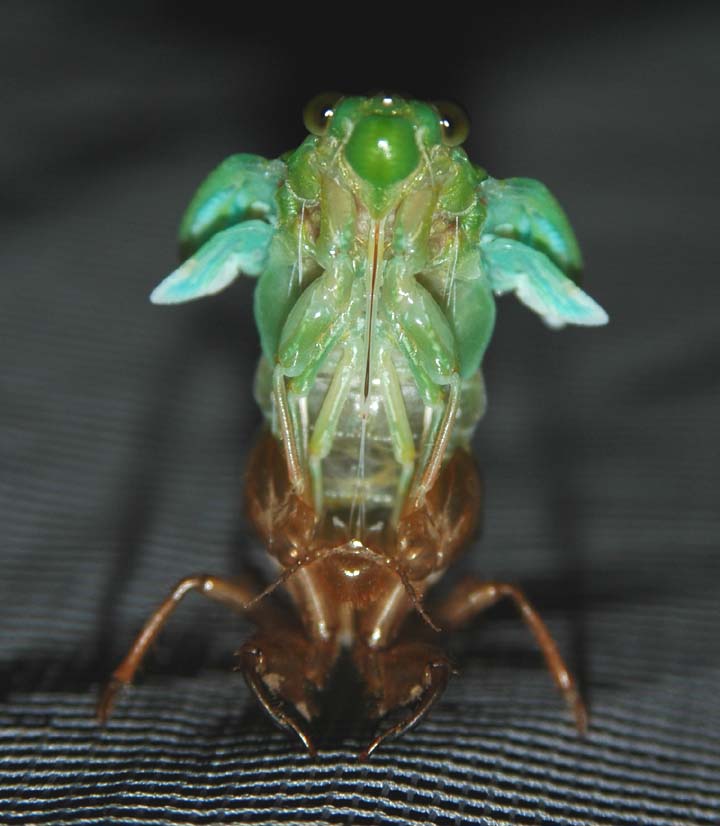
526,210
242,249
471,312
528,247
512,266
243,187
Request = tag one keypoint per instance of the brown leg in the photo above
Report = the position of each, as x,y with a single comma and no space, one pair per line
409,676
471,597
229,593
285,521
284,669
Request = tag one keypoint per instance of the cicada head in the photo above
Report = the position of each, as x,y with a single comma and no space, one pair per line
385,145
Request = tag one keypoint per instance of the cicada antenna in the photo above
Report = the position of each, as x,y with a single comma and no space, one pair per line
288,572
415,598
361,551
284,576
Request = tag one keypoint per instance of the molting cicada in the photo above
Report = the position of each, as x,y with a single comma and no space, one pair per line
379,249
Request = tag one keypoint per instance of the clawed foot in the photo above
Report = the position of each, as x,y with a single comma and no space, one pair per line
107,699
253,667
285,671
435,680
406,680
576,706
471,597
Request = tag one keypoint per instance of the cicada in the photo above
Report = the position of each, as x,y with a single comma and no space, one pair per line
378,249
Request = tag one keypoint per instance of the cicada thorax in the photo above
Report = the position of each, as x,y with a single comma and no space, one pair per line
366,376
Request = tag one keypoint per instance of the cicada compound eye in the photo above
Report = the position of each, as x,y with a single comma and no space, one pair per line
454,123
318,112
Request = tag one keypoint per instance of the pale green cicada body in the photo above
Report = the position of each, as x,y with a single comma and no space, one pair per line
379,249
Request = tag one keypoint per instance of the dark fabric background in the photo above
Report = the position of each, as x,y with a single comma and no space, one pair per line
125,428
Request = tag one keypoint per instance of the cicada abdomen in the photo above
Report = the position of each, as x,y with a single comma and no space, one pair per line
369,394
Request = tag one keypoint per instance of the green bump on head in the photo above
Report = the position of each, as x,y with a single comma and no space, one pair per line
382,150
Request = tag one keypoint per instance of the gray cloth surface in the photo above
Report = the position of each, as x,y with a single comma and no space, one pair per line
125,428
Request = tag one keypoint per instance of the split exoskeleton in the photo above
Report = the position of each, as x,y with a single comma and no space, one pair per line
378,248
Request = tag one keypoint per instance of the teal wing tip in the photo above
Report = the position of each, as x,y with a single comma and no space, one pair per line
176,288
582,311
599,319
592,314
587,314
161,295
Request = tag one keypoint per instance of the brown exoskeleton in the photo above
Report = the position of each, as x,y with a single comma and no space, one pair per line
378,246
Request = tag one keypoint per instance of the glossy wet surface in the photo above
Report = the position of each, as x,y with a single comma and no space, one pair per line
126,428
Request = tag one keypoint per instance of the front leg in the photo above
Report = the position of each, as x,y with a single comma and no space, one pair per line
471,597
313,327
416,324
236,596
327,421
407,678
285,669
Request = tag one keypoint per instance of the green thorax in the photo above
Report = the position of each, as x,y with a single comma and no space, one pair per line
382,163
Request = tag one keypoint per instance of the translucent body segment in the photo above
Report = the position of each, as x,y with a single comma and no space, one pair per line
514,267
338,443
242,249
525,210
243,187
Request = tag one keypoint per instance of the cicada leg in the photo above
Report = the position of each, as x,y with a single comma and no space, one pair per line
311,330
326,424
428,473
285,669
407,678
422,333
287,431
235,595
471,597
400,430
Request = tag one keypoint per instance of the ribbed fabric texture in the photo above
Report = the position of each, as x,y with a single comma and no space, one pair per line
125,430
